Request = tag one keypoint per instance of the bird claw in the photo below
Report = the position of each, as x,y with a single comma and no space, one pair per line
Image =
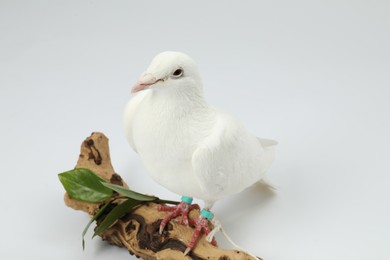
201,225
182,209
161,230
187,251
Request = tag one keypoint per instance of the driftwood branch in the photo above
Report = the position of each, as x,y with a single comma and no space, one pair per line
138,230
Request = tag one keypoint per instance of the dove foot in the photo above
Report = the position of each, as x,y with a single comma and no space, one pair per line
201,224
183,208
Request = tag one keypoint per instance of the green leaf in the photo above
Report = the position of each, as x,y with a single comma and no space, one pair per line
83,184
129,193
115,214
97,215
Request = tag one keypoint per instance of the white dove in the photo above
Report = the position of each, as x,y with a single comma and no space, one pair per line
188,146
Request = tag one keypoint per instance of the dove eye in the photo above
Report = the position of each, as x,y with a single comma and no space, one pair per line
177,73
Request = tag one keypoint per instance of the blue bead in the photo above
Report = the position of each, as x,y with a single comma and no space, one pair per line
186,199
206,214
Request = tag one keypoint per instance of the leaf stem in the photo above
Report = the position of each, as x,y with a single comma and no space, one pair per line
167,201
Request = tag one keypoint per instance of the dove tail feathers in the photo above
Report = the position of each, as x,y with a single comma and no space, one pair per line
267,143
269,154
265,181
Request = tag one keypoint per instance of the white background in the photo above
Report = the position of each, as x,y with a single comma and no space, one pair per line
312,74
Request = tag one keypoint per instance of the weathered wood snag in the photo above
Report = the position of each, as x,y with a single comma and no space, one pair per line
138,230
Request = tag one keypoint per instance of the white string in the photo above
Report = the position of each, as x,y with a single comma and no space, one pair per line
218,227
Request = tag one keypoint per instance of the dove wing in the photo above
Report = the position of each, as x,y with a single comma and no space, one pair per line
227,161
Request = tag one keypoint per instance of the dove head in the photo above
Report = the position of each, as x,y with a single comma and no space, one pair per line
170,71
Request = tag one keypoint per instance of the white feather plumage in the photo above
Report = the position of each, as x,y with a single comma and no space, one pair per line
185,144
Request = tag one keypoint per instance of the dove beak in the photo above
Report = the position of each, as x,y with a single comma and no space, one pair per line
145,81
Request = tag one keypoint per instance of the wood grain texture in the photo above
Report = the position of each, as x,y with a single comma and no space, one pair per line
138,231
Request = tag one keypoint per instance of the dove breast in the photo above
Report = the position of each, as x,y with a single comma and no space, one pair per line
166,136
194,151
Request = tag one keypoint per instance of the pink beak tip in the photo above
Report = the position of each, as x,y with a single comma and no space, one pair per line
142,84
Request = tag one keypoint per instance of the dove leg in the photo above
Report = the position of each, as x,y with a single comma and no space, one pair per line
201,224
183,208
